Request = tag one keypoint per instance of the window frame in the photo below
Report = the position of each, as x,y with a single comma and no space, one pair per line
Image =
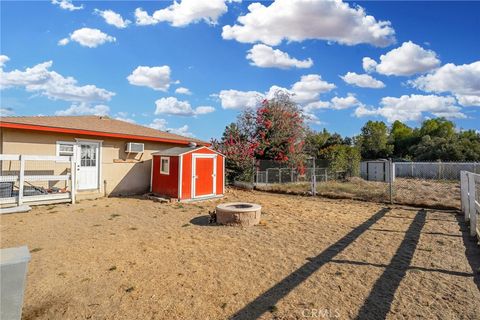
57,148
166,172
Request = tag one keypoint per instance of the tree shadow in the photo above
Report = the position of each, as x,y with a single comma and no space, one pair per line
269,298
472,250
378,303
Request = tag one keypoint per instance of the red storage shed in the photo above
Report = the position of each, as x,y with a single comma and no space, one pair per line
188,173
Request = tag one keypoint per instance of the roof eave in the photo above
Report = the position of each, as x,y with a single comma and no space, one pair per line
22,126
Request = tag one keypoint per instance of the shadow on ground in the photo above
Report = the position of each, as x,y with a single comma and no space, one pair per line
270,298
472,250
202,221
378,303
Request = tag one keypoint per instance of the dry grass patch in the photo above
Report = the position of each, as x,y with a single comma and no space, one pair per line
427,193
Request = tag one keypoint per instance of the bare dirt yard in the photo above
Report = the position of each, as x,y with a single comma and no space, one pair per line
313,258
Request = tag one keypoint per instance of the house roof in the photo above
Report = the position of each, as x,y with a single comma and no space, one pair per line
177,151
95,126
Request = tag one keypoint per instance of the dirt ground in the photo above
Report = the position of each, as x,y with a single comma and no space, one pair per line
127,258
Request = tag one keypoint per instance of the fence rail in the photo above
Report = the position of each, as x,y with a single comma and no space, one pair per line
288,175
470,189
36,179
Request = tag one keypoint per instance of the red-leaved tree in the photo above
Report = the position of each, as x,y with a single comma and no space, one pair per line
273,131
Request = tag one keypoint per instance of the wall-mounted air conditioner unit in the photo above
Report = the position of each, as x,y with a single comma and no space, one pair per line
133,147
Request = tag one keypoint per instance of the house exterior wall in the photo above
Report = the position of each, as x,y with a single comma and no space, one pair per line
120,173
163,184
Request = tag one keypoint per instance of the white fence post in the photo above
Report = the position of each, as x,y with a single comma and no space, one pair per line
21,181
464,194
73,181
472,206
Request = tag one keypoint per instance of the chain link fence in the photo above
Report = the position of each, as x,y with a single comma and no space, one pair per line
426,184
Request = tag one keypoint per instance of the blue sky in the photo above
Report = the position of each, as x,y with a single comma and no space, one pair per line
69,58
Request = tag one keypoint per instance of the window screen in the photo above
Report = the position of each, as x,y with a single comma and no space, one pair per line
165,165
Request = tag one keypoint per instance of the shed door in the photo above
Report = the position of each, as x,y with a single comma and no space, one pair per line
204,175
376,171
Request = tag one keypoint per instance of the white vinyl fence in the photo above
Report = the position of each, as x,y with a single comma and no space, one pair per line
36,179
435,170
470,189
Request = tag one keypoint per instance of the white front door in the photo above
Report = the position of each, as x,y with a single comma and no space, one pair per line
87,165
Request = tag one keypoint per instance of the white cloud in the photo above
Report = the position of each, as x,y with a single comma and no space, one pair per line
157,78
462,80
309,88
183,90
88,37
406,60
204,110
52,84
113,18
369,64
311,118
339,103
270,94
6,112
413,107
362,80
173,106
3,59
468,101
336,103
124,116
316,105
184,13
63,42
266,57
298,20
84,109
142,18
162,125
234,99
67,5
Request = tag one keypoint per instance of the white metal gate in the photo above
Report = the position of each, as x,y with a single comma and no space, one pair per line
36,179
470,189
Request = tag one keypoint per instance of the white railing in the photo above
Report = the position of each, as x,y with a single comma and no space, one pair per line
35,179
470,187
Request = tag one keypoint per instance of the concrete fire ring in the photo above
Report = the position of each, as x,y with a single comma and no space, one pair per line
238,214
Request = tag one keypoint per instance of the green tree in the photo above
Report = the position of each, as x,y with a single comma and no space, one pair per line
401,137
438,127
342,158
373,140
316,141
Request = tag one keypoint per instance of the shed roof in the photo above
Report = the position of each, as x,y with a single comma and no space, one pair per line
95,126
177,151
